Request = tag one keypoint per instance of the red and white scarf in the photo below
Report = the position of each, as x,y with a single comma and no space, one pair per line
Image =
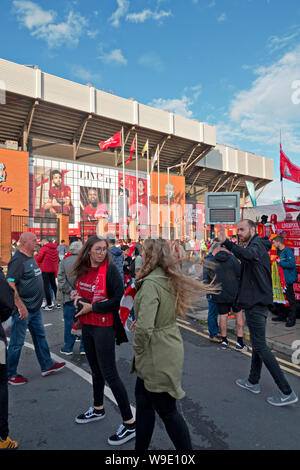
127,302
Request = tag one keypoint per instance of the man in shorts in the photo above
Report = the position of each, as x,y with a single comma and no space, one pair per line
226,270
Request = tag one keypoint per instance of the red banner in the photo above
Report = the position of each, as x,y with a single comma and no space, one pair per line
114,141
287,169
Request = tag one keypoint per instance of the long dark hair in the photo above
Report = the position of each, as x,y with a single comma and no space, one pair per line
82,263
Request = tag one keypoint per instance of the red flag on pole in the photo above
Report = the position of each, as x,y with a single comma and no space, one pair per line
132,149
287,169
114,141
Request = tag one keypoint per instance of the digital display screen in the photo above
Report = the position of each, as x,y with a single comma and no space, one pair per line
215,202
222,216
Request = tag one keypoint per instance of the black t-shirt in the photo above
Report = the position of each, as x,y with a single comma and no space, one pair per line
27,276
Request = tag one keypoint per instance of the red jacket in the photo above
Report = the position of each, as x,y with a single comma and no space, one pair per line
48,259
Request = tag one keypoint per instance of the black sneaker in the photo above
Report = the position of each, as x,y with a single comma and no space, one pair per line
90,415
224,344
240,347
124,433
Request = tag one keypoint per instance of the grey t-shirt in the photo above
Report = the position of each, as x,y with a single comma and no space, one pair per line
27,276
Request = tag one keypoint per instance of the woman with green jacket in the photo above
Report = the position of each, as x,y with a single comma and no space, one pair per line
163,292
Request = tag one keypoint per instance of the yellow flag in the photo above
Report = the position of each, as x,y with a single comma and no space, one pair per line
145,148
278,296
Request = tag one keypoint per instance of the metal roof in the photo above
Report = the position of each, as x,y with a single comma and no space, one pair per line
51,116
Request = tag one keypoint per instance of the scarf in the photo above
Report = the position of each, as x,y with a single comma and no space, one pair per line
100,293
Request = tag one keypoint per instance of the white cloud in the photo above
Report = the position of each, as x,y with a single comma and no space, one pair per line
276,43
181,106
43,25
222,17
114,57
272,192
177,106
123,6
146,15
83,74
257,114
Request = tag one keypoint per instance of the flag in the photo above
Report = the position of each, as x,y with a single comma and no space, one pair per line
287,169
251,191
132,149
278,296
114,141
292,206
145,148
154,159
127,303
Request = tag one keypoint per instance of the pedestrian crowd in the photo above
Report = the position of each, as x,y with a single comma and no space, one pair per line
91,279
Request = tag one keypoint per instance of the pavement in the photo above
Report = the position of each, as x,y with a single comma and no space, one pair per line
279,338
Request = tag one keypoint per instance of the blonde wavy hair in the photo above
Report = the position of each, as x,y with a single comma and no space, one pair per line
186,290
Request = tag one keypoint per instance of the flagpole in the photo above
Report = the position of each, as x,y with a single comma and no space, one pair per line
158,190
136,180
124,188
149,189
281,179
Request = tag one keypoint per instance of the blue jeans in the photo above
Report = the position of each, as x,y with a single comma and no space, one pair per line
69,339
35,325
261,354
212,319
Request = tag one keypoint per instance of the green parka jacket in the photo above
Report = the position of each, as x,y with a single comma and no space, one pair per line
157,341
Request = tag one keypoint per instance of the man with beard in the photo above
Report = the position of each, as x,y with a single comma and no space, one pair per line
94,209
254,295
59,201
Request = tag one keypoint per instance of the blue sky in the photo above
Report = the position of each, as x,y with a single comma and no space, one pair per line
231,63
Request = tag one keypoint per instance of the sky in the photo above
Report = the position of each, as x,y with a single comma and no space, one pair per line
231,63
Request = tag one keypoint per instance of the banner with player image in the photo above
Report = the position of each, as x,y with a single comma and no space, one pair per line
84,192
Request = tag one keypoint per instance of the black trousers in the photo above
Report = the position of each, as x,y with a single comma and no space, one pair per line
49,280
165,405
3,402
290,295
261,354
99,346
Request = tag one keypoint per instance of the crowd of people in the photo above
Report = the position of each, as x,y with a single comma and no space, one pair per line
94,276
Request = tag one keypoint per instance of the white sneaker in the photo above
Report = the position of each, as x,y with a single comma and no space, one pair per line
48,308
44,303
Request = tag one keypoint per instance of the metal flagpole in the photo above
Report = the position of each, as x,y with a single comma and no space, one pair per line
124,191
158,190
149,189
136,179
281,178
169,214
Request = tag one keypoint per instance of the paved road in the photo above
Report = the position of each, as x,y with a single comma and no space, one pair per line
220,415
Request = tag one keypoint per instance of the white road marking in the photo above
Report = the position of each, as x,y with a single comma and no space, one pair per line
84,375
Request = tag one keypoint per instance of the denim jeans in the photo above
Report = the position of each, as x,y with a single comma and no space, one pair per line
256,318
69,339
212,319
36,328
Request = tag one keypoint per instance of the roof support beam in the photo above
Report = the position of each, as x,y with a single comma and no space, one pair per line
216,189
27,125
161,145
76,146
195,180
